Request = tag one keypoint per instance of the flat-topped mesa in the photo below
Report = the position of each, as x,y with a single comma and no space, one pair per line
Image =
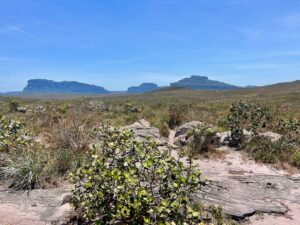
144,87
202,83
65,87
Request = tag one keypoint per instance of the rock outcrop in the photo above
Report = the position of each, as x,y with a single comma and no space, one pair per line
143,129
37,207
22,110
182,137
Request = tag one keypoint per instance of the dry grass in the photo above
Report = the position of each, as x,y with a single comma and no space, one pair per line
67,126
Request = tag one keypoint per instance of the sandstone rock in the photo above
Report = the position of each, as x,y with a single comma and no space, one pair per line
243,187
37,207
181,135
143,129
22,109
272,136
40,109
183,129
224,137
243,196
97,105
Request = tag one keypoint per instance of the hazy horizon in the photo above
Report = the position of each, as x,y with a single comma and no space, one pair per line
117,44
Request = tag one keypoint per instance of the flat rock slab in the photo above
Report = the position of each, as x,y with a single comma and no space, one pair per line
37,207
243,196
243,187
143,130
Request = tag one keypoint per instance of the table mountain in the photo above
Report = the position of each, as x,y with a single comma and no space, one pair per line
65,87
202,83
144,87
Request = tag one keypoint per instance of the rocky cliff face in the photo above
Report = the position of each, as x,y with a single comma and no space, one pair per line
145,87
49,86
202,83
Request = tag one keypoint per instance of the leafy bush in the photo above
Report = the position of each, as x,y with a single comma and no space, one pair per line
126,182
9,134
244,116
176,115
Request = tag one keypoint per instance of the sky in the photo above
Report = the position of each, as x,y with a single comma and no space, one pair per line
121,43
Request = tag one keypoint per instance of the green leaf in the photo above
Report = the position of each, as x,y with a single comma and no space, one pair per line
146,220
148,163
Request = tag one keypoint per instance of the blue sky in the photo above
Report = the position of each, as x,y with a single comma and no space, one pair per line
120,43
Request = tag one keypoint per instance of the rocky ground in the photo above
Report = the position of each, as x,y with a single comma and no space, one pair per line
37,207
250,192
253,193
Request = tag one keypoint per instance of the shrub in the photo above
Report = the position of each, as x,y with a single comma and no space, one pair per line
296,159
71,133
63,160
63,109
176,115
27,168
130,107
201,140
163,129
127,182
289,128
244,116
13,105
263,149
9,134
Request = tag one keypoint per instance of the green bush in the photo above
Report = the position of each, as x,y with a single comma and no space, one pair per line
126,182
246,116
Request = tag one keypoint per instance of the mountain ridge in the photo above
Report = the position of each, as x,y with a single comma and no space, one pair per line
64,87
144,87
202,83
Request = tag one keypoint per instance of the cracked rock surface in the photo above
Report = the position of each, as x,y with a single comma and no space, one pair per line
37,207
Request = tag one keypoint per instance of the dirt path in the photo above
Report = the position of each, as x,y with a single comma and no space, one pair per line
247,190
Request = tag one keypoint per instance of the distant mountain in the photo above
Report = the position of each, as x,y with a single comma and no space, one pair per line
64,87
11,93
251,86
144,87
202,83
